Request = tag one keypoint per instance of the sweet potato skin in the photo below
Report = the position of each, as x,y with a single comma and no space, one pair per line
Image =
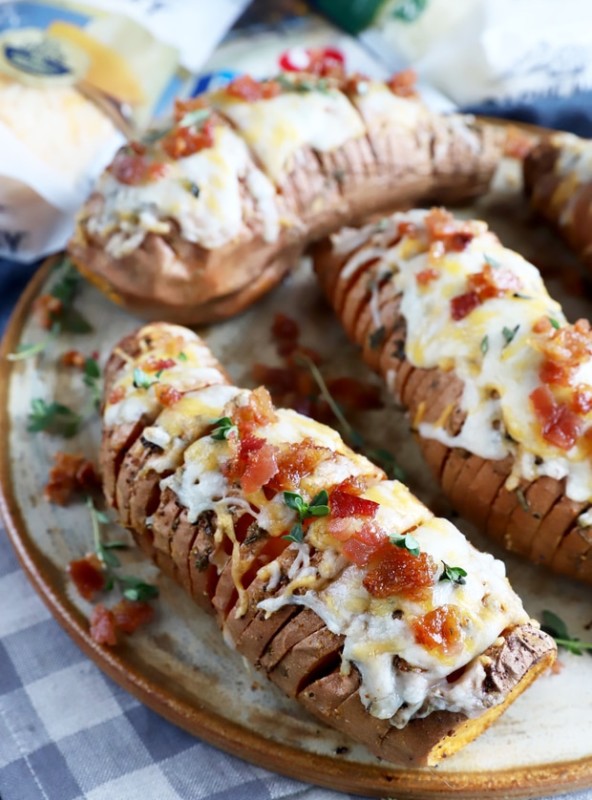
563,199
536,521
293,646
169,277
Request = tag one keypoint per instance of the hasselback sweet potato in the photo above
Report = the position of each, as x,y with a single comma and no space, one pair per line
497,383
558,182
336,583
202,218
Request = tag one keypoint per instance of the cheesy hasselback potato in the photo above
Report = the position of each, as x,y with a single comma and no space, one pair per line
338,584
558,181
497,383
196,223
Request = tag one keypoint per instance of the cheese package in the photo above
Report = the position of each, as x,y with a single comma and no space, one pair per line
75,81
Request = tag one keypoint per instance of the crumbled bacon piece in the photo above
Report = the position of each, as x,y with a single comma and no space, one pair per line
70,473
102,626
440,629
184,141
492,282
134,169
73,358
167,395
426,276
581,401
46,308
543,325
130,615
403,83
407,228
355,394
354,83
152,364
258,412
183,107
343,504
462,305
247,88
569,345
254,464
116,395
361,546
396,571
552,373
560,426
442,227
87,575
295,461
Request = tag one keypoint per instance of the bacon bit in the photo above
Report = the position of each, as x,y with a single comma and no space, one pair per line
167,395
350,84
559,425
440,629
542,325
183,107
361,546
462,305
518,143
46,308
102,626
442,227
553,373
492,282
116,395
403,83
184,141
260,465
153,364
258,412
129,615
133,169
581,401
407,229
569,345
426,276
343,504
294,461
247,88
70,473
396,571
355,394
284,327
73,358
87,575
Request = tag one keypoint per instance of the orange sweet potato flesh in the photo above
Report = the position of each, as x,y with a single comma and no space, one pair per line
561,200
538,522
168,277
292,646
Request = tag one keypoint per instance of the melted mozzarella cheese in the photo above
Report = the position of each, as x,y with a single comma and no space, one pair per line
275,129
213,218
498,375
380,107
374,635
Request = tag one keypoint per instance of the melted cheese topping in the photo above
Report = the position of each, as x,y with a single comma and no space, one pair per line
498,375
277,128
381,108
213,218
194,367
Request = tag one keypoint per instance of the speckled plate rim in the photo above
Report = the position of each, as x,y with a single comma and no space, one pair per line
330,772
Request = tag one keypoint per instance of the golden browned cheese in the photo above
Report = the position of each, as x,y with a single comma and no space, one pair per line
533,518
173,272
152,436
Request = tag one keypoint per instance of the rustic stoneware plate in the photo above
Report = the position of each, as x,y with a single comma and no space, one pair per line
180,666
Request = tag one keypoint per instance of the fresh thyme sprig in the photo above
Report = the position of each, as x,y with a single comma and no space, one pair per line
556,627
132,588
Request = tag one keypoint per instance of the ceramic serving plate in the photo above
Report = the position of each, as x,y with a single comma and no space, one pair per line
180,666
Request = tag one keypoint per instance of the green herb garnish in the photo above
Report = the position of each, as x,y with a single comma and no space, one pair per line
142,380
182,356
53,418
554,323
485,344
296,533
493,262
406,542
318,506
92,379
196,117
454,574
223,428
556,627
509,334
